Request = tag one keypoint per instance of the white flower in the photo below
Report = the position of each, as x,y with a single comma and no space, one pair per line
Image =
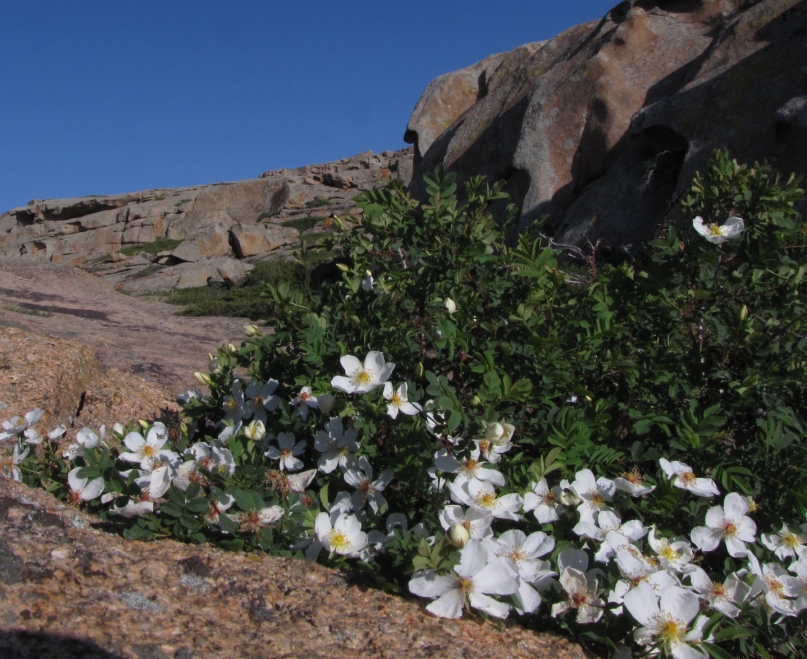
525,552
368,282
729,523
451,306
9,463
156,482
149,451
218,506
398,401
134,508
483,497
340,533
85,439
666,620
233,404
467,469
721,597
593,494
476,523
286,451
83,489
633,483
682,476
581,587
719,234
477,576
362,378
785,544
306,400
496,441
778,587
367,489
544,501
259,398
336,445
674,554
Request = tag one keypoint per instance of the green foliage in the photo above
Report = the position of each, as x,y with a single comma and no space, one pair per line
694,351
248,299
159,245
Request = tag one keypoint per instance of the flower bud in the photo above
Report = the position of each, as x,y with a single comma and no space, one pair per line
143,424
251,330
232,349
203,378
343,267
743,313
451,306
458,535
419,370
119,429
476,401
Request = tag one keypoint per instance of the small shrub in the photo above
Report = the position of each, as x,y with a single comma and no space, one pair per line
517,381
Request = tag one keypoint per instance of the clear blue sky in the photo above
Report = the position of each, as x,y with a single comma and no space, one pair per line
109,96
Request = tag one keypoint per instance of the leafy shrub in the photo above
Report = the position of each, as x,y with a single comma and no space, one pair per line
517,361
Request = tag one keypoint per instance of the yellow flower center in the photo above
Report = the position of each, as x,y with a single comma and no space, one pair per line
486,499
791,540
231,404
774,585
362,377
687,478
729,528
669,553
714,230
470,466
396,401
339,541
672,631
466,585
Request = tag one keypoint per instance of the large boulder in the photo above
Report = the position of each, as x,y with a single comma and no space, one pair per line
598,131
261,239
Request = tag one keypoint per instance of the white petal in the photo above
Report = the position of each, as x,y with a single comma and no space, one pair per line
642,604
449,605
429,584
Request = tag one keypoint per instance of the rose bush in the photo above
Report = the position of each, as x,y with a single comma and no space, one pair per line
518,435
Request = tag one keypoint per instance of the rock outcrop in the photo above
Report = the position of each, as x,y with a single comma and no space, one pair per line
599,130
198,235
69,590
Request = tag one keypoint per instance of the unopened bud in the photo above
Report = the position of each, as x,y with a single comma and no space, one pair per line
419,370
251,330
343,267
203,378
458,535
451,306
743,313
118,428
233,350
476,401
143,424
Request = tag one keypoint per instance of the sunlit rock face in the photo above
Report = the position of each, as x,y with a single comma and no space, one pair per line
197,235
599,130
